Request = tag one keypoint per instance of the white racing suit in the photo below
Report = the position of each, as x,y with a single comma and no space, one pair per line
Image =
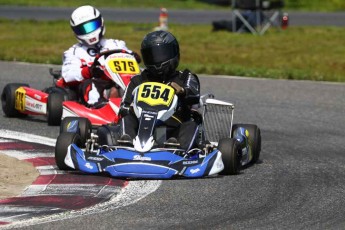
79,56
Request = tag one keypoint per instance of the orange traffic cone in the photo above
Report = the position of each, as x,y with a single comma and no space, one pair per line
163,20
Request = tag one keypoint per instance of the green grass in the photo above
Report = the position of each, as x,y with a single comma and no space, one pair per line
309,5
174,4
311,53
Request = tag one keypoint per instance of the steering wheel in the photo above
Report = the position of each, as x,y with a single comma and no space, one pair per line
107,53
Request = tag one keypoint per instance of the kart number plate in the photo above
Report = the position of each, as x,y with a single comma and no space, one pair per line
20,99
156,94
124,66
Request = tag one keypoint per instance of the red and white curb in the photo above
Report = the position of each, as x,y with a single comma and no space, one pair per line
56,194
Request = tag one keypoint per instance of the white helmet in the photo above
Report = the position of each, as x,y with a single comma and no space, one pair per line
87,24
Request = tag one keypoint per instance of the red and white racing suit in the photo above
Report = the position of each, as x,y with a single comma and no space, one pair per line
76,61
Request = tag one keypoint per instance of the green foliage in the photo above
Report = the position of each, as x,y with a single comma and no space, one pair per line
315,53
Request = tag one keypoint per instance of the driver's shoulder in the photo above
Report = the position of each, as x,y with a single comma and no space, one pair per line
73,48
186,73
137,79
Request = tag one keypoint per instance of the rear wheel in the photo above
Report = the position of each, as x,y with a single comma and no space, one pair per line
8,100
84,127
64,140
229,148
54,108
254,139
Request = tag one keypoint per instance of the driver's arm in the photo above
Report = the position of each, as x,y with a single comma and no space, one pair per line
187,87
192,89
73,67
71,70
127,98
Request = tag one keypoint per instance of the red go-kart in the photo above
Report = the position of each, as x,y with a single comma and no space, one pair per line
55,102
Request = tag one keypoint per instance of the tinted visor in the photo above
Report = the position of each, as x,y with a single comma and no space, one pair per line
88,27
155,55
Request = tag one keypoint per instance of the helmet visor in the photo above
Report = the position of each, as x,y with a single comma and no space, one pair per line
156,55
88,27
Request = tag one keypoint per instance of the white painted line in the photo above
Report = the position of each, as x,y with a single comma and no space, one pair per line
25,156
9,213
132,193
27,137
87,190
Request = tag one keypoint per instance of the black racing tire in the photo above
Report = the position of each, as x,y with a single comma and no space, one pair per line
65,122
108,134
8,100
85,128
54,89
63,141
84,125
254,139
71,95
54,108
229,148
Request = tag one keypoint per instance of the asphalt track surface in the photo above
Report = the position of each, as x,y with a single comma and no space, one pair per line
175,16
298,184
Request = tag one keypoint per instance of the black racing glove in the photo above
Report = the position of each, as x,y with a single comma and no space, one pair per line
178,89
95,70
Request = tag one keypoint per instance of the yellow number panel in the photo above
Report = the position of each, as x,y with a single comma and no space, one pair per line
124,65
155,94
20,99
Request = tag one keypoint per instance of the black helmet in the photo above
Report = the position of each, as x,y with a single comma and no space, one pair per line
161,54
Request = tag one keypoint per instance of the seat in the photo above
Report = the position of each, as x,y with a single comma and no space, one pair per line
256,16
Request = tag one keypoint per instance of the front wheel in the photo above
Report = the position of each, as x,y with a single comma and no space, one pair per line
8,100
229,148
84,128
64,140
254,139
